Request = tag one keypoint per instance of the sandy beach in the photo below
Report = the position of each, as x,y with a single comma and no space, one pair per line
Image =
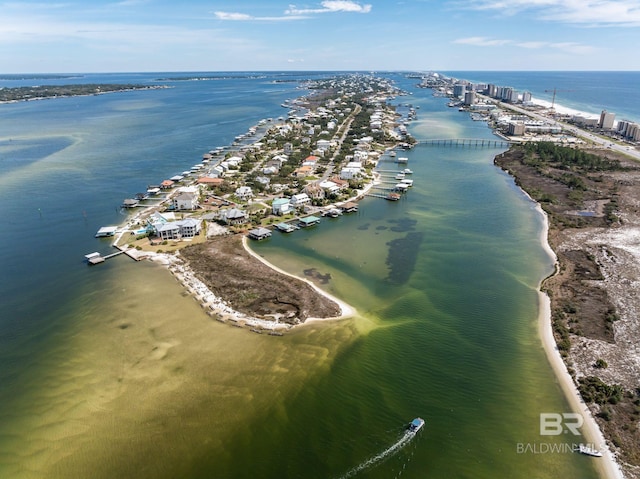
347,311
606,465
216,306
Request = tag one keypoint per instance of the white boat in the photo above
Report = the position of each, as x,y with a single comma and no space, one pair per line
402,159
392,153
407,171
400,176
589,451
416,425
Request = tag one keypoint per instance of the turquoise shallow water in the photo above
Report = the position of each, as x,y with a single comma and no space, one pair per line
113,372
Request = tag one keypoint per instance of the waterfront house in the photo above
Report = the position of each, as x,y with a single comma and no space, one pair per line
167,184
210,181
342,184
233,216
217,172
175,230
189,227
330,187
185,201
168,231
300,200
314,191
349,173
281,206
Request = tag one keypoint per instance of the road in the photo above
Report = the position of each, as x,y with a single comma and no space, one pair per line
574,130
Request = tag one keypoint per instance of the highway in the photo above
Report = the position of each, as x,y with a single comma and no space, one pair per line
574,130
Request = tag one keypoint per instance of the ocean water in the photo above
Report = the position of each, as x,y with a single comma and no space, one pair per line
112,371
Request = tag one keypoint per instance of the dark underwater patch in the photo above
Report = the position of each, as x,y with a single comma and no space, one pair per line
402,256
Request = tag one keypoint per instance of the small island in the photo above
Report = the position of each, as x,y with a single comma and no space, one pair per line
27,93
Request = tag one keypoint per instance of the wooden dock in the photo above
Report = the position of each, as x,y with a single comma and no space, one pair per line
97,258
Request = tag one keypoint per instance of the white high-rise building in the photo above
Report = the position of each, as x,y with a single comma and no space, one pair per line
606,120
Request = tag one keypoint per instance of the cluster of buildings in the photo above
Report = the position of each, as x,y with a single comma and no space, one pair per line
329,169
629,130
625,129
466,92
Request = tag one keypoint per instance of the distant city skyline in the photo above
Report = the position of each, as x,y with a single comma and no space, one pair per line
440,35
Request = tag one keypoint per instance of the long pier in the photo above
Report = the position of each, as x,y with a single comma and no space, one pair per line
467,142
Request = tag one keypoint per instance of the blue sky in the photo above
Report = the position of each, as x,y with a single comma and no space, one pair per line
196,35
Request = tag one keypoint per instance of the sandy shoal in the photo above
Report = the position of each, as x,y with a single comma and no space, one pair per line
346,310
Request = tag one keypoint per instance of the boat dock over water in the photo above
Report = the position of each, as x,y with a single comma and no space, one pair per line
97,258
287,227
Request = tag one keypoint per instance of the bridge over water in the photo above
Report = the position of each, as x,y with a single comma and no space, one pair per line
467,142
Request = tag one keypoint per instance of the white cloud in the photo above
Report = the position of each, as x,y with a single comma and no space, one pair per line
243,17
233,16
294,13
584,12
569,47
330,6
481,41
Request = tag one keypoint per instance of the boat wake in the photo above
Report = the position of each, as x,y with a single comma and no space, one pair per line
391,450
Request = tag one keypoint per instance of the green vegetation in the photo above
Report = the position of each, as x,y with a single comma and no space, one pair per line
54,91
593,390
539,154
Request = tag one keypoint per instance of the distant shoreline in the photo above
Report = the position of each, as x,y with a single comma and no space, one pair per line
22,94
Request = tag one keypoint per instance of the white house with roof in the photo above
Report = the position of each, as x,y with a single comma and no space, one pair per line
323,144
186,199
244,193
281,206
351,171
175,230
217,172
329,186
300,199
360,156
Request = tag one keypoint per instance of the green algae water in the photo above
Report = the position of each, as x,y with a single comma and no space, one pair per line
126,376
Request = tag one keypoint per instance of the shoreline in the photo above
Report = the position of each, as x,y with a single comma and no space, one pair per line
608,466
347,310
216,306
